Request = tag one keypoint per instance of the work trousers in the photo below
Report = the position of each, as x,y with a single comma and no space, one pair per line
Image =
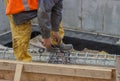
21,36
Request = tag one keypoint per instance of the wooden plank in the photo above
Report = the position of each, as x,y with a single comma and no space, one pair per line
118,68
7,66
5,80
18,72
80,71
65,70
26,76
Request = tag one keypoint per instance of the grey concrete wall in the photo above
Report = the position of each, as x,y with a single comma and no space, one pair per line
100,16
72,14
112,17
92,14
105,16
4,24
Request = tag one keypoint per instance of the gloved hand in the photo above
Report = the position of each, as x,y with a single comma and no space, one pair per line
57,37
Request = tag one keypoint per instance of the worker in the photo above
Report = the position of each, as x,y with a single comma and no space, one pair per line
21,33
49,18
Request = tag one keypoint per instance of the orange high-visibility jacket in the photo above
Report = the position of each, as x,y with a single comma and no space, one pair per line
17,6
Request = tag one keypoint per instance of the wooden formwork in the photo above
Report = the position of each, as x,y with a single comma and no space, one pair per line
20,71
118,68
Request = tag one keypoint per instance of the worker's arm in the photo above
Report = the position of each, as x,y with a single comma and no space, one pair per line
56,15
49,16
44,17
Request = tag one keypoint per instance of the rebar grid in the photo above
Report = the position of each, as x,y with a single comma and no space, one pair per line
64,57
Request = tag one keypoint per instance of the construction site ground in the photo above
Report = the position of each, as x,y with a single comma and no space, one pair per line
11,70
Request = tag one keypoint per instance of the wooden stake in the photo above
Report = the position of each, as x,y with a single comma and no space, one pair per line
18,72
118,68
